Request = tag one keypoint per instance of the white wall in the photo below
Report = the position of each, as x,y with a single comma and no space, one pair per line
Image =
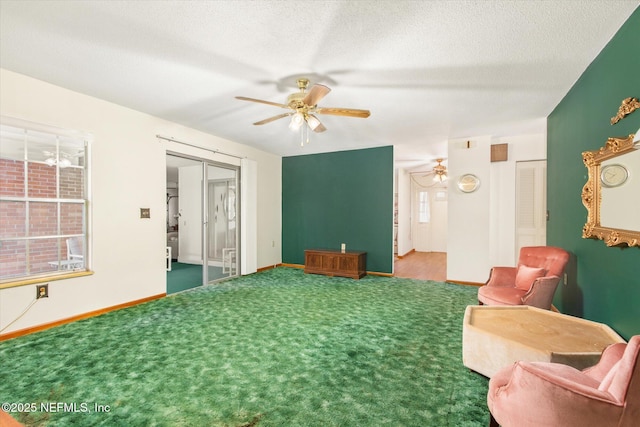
128,172
482,224
503,195
613,197
468,238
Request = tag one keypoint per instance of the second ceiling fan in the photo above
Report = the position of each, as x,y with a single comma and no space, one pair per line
303,106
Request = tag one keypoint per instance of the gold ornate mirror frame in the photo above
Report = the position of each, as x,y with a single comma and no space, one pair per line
592,194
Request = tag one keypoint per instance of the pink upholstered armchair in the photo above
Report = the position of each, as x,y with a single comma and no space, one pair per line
533,282
550,394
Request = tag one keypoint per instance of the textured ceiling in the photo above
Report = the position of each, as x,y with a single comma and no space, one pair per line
428,71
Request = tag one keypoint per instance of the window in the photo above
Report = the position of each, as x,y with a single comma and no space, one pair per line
424,213
43,201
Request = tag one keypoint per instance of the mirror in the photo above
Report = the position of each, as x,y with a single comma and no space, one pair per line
612,187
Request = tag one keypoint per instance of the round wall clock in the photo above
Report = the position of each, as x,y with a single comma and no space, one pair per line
468,183
613,175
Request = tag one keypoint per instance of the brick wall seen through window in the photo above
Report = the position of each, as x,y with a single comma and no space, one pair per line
43,200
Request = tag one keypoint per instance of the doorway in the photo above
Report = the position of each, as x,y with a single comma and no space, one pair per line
427,219
202,222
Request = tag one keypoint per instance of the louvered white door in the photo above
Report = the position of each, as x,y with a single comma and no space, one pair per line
531,204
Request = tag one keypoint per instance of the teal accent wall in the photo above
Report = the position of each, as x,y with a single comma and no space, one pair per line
604,282
339,197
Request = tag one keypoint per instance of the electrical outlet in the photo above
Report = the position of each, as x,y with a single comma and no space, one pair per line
145,213
42,291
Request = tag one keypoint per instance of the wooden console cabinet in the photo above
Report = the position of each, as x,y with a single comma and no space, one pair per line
335,263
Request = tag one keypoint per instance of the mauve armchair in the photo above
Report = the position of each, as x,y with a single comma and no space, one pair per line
533,282
528,394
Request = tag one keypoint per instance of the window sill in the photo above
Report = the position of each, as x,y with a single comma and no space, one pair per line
42,279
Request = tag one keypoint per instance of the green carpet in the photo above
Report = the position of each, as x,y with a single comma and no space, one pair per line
183,276
188,276
278,348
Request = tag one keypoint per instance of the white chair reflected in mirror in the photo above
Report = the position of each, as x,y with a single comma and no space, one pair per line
229,261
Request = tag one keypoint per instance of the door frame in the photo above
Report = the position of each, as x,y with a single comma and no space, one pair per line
204,204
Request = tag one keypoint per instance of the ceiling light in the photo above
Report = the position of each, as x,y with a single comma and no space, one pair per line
297,120
62,163
440,177
313,122
440,172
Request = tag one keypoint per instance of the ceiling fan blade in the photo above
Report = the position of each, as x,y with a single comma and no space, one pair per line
261,101
271,119
349,112
315,94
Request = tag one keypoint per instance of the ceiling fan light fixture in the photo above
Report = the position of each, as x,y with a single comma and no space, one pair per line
440,172
313,122
50,161
440,177
297,120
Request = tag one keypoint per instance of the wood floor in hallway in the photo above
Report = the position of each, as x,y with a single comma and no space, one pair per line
423,266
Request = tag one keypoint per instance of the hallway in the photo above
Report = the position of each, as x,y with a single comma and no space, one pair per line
423,266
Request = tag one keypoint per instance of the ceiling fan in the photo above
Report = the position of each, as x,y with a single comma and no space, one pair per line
439,172
64,160
303,106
